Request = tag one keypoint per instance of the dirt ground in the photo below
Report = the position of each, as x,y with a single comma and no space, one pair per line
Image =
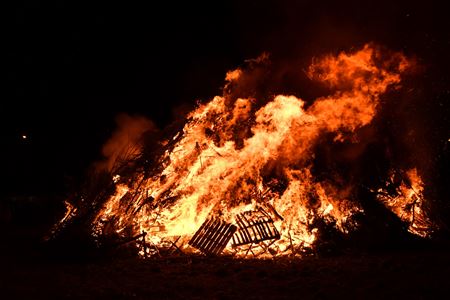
405,274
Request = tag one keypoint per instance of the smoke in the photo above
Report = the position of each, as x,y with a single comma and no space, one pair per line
125,142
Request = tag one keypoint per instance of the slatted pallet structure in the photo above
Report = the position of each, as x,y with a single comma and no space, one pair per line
213,236
257,227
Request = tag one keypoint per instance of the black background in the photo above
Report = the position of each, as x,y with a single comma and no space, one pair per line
71,67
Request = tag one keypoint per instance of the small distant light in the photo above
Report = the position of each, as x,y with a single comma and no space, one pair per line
24,137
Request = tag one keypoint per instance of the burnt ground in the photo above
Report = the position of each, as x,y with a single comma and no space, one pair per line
28,272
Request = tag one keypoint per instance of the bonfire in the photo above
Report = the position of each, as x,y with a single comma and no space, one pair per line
243,176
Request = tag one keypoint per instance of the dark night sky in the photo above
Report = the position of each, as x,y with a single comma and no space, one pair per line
72,67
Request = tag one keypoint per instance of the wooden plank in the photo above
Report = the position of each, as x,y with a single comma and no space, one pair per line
199,233
213,236
208,237
254,230
229,233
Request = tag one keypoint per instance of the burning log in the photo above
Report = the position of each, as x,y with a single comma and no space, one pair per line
174,248
213,236
139,239
131,239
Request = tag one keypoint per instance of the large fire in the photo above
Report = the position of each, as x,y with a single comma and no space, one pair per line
240,157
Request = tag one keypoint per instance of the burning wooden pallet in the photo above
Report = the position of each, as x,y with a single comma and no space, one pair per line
254,229
213,236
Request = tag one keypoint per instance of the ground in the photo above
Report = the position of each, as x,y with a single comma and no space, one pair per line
27,273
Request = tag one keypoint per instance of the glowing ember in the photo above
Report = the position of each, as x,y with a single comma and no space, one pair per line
238,156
